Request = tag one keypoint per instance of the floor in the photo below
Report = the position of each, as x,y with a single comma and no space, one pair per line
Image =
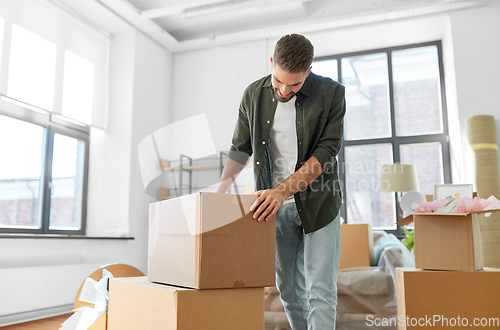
52,323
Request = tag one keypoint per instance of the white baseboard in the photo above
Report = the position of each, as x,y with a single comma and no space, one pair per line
6,320
27,289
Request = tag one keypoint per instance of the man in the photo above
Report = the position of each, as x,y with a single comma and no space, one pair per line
292,122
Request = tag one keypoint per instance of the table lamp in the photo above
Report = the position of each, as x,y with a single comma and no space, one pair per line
402,178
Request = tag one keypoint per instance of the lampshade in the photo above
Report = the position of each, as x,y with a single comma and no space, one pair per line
398,177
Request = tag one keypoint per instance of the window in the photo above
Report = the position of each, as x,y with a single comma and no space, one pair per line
21,143
41,179
396,113
52,89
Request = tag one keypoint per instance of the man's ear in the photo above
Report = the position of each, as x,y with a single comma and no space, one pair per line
271,58
309,71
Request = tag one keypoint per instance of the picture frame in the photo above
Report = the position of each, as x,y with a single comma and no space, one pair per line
452,190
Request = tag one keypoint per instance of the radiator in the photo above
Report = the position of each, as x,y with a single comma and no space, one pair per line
35,292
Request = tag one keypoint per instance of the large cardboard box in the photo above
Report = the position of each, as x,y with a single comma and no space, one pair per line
440,299
356,246
447,241
207,241
135,304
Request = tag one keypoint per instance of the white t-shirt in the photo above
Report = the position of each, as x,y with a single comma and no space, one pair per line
284,143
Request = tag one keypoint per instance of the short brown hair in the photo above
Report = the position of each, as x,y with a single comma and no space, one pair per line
293,53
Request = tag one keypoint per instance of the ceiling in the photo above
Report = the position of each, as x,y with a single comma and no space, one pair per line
181,25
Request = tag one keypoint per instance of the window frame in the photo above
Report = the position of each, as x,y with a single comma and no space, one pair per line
394,140
52,124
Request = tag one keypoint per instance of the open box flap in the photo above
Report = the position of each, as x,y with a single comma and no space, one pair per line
409,219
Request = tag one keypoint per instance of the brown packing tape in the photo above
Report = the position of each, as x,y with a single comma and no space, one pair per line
239,284
482,129
242,209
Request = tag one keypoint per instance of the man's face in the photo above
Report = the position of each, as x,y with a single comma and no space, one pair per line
286,84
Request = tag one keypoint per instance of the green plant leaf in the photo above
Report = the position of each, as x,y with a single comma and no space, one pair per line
409,240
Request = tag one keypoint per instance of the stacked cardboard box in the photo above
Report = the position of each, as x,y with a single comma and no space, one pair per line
356,246
449,282
209,262
447,299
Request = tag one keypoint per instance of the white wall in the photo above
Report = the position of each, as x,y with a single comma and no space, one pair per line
108,216
212,81
477,70
152,101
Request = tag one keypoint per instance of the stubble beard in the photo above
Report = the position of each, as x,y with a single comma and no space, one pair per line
281,98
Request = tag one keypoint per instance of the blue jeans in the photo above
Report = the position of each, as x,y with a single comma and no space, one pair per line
306,270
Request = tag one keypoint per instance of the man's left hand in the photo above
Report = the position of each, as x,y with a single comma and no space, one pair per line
267,204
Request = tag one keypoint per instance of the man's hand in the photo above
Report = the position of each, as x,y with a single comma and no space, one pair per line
267,204
270,200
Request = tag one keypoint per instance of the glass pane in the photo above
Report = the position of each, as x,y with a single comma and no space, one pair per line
78,88
367,96
31,69
327,68
364,203
428,159
21,146
417,94
67,183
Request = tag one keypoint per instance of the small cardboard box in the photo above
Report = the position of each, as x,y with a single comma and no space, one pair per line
447,241
440,299
356,246
135,303
210,241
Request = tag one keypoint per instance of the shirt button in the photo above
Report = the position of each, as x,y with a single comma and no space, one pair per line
300,143
268,121
263,142
298,122
300,210
273,100
258,163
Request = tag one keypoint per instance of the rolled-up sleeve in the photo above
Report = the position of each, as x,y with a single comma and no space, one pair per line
331,137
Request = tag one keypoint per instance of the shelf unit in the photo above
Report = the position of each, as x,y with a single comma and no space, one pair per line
186,166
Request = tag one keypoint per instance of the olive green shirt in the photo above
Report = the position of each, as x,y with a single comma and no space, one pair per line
320,108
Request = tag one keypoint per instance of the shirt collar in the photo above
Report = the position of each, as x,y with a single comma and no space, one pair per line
306,88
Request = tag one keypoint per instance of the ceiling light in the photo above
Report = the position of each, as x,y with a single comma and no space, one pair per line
234,5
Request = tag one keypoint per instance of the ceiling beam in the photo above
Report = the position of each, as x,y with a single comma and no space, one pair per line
201,8
376,16
176,9
162,37
130,14
240,5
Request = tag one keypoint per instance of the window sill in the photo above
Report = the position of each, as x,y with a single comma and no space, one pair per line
62,236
